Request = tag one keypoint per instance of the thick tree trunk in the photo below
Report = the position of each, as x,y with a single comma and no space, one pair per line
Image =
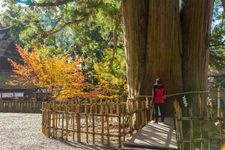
164,44
164,48
196,24
135,43
153,46
151,49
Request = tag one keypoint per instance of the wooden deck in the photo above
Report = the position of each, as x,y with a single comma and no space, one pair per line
154,136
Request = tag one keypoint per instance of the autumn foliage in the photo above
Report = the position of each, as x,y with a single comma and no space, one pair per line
62,77
110,75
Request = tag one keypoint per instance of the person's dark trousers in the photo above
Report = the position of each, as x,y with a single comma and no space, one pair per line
158,107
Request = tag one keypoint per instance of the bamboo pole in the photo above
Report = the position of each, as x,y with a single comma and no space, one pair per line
49,123
62,125
201,121
43,115
143,113
78,123
179,125
119,122
56,122
107,123
86,120
53,120
93,122
123,121
191,129
102,118
218,103
73,124
67,120
208,127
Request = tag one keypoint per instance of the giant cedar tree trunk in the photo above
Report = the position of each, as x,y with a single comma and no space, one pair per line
160,43
196,23
153,46
135,41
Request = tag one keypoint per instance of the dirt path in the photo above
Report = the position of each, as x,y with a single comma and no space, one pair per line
23,132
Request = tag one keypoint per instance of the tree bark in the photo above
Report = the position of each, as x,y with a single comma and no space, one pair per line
164,51
164,45
153,46
135,19
196,23
151,49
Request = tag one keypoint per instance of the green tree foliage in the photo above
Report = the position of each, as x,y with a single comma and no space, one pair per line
111,75
217,45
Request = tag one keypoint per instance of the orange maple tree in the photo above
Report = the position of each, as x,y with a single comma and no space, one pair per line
62,77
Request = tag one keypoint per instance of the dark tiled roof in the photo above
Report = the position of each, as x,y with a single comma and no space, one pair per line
7,50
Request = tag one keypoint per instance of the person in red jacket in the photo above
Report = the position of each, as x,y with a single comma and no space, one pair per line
158,93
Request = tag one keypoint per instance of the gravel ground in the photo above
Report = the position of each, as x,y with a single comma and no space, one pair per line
23,132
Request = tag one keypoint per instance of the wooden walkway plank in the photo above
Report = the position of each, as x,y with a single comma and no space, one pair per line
154,136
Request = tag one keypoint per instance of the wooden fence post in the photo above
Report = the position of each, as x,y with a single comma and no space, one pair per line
93,120
78,123
119,122
107,122
102,118
218,102
48,120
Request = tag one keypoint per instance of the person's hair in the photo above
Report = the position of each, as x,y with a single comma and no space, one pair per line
158,81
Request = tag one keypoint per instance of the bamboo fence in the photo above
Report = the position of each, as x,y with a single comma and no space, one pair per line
205,131
104,122
20,106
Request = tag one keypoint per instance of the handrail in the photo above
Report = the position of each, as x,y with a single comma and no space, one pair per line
174,94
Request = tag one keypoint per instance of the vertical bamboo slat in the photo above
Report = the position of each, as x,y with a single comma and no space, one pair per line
123,121
73,124
93,121
102,118
48,121
191,129
78,123
56,123
119,123
67,121
86,121
53,121
201,121
62,126
107,123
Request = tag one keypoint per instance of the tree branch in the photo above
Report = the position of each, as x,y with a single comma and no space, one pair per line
66,24
216,74
50,4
